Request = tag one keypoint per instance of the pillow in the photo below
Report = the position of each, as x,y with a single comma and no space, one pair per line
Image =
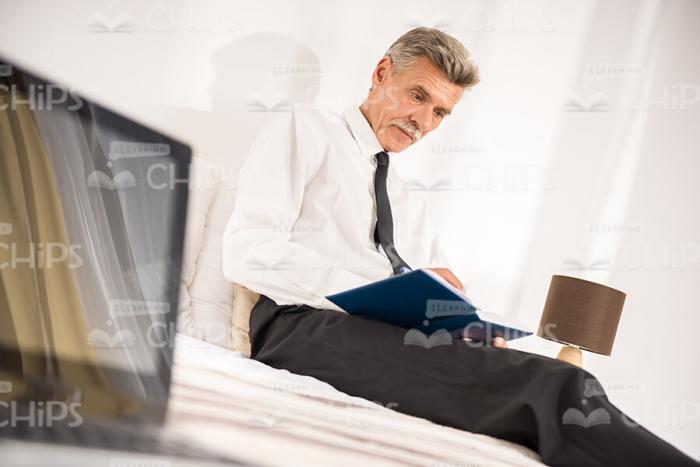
211,294
204,180
217,310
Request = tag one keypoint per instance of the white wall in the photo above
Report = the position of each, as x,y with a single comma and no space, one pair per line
528,187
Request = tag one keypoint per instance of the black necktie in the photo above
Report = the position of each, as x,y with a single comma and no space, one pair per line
384,230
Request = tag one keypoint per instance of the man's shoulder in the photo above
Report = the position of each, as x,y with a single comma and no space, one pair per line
294,119
308,113
310,127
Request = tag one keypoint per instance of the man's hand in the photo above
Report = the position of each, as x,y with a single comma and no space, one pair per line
446,274
449,277
498,342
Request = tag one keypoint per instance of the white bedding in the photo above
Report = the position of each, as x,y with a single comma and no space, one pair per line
267,416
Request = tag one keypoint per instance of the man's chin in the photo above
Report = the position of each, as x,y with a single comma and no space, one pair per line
395,147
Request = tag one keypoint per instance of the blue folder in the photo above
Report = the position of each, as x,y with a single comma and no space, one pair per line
423,300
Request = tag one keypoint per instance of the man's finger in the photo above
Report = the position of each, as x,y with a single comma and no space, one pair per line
499,342
452,279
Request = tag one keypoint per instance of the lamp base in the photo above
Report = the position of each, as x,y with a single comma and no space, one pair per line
572,355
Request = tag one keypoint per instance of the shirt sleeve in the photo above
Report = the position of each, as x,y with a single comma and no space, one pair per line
415,220
437,257
258,250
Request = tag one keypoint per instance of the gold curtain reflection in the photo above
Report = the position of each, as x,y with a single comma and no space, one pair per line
40,309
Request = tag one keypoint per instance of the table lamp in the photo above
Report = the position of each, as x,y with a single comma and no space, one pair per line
581,315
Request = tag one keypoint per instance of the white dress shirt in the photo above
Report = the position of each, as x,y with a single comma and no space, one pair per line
302,227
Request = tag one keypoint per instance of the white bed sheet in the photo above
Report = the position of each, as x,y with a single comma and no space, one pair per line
263,415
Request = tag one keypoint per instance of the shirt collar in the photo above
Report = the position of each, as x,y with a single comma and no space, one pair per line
362,132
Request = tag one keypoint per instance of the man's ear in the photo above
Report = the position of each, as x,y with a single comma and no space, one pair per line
383,69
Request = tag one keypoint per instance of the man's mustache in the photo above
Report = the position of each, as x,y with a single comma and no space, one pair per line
409,128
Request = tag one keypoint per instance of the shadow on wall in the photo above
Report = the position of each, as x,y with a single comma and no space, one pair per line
264,72
254,76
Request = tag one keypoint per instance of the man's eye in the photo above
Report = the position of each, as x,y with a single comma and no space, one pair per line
439,114
416,96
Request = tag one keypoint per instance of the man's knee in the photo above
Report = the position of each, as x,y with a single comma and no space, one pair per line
579,384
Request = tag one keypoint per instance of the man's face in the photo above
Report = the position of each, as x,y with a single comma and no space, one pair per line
403,107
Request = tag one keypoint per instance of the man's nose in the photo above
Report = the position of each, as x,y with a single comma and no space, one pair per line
422,119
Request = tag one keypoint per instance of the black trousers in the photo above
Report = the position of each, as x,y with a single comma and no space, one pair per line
539,402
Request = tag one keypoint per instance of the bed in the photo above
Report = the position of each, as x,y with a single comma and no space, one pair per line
262,415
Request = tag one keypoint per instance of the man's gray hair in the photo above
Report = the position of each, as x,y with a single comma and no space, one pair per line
446,53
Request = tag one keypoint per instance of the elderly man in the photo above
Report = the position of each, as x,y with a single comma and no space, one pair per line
320,210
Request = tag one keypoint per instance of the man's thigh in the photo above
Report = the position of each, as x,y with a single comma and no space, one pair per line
505,393
482,389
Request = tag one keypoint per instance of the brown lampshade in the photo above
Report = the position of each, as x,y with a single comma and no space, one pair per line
581,313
